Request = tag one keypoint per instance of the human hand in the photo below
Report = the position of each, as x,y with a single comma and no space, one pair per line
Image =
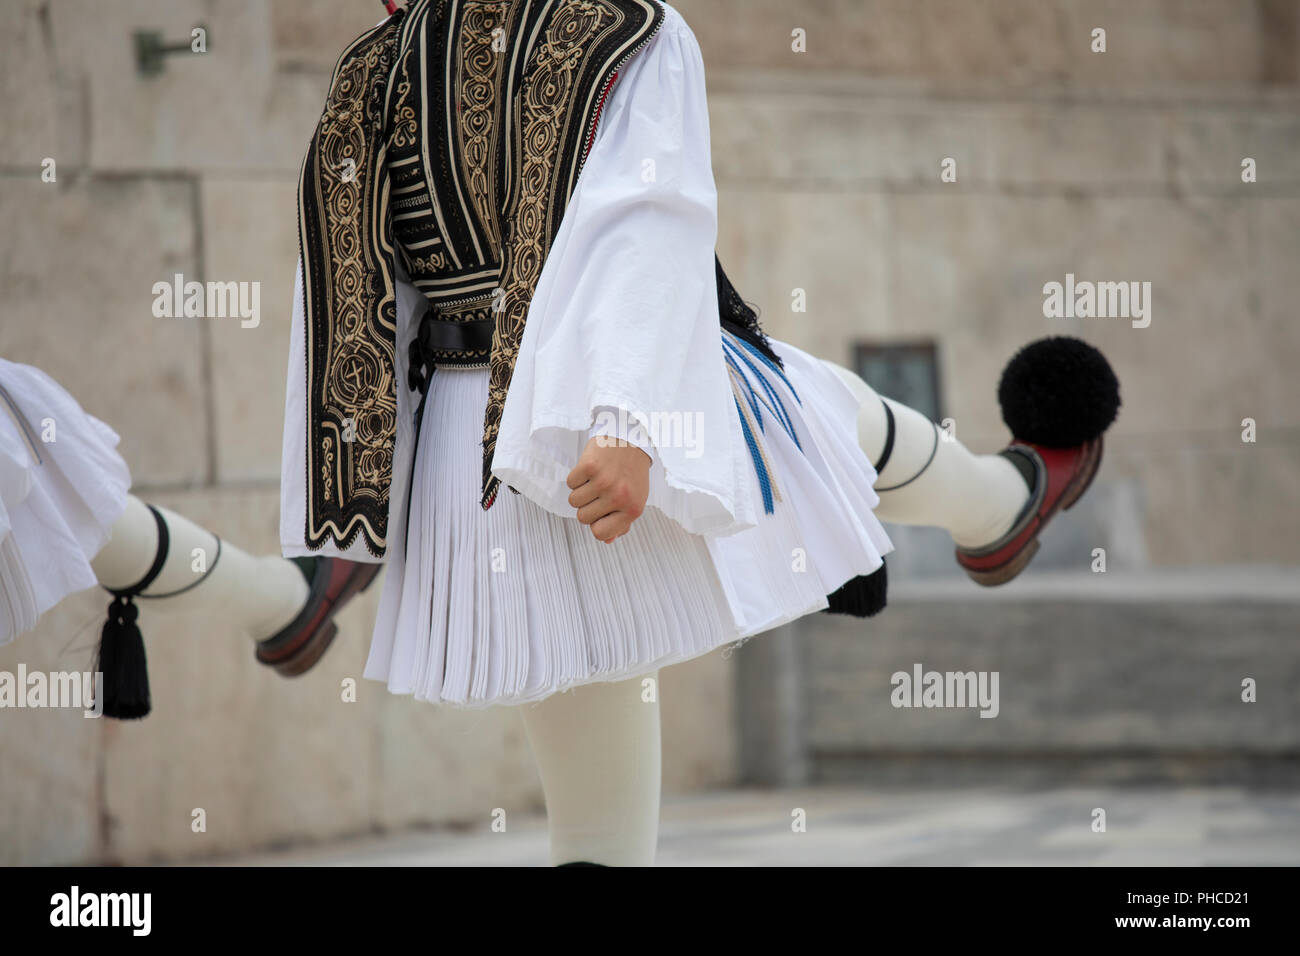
610,485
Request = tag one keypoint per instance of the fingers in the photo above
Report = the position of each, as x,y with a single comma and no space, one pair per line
584,495
606,519
582,472
594,501
612,526
592,512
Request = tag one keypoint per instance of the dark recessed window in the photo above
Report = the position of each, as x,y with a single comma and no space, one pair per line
906,372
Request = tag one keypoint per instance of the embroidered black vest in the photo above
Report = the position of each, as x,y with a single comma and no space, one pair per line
453,136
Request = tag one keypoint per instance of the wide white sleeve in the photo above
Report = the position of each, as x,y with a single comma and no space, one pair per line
293,451
625,314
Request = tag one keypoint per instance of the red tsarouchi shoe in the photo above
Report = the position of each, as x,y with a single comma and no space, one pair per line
1061,476
1058,396
297,648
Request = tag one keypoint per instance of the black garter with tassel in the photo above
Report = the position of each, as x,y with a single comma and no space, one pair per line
121,646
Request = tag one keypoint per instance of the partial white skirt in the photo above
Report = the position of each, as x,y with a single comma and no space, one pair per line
62,487
515,603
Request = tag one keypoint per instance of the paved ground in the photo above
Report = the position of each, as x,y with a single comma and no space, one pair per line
1162,826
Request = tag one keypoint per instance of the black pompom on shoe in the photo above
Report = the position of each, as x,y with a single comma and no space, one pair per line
1058,392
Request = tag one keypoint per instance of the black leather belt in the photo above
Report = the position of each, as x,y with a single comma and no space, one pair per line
471,336
443,341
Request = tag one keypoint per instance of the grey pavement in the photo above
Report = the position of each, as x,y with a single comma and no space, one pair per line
1151,825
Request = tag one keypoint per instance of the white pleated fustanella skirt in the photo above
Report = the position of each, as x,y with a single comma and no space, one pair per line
62,487
513,604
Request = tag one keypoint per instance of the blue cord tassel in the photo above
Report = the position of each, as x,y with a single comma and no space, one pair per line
764,479
774,403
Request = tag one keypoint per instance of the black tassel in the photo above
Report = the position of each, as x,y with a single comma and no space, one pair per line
122,662
863,596
121,646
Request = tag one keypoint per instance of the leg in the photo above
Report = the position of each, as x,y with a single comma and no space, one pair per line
926,480
260,595
598,752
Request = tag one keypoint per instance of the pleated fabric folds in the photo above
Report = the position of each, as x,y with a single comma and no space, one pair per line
62,487
515,603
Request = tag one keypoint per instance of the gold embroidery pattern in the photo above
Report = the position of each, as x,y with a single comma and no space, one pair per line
405,125
326,468
351,309
560,59
545,105
480,79
433,262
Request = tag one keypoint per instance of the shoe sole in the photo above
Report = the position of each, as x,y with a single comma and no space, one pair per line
309,653
992,577
1001,575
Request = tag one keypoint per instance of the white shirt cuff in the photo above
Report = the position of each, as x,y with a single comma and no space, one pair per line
616,425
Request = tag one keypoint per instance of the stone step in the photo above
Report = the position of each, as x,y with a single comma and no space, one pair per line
1138,666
